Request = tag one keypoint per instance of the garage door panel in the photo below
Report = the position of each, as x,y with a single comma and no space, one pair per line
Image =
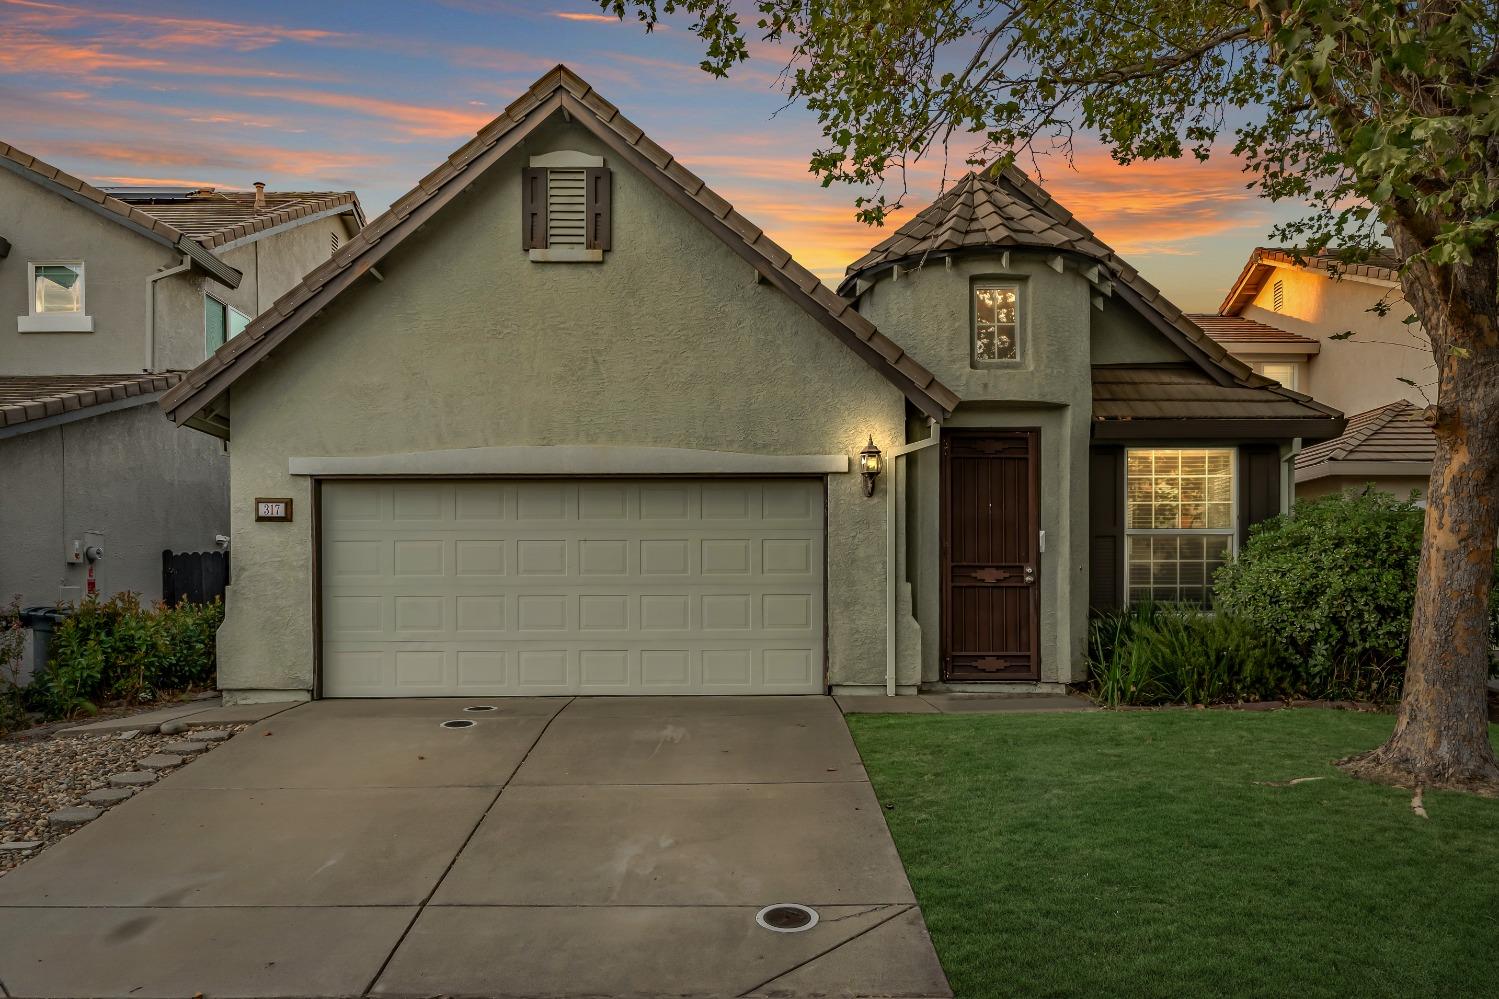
547,587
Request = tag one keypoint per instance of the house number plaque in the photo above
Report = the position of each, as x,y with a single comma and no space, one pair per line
272,509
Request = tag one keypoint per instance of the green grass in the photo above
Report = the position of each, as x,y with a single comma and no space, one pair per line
1135,854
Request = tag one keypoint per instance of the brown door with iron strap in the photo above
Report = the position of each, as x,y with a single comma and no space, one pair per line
991,600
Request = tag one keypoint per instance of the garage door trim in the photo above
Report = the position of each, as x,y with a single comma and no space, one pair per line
318,538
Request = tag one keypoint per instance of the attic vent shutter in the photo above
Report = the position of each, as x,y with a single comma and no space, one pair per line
533,209
597,206
566,207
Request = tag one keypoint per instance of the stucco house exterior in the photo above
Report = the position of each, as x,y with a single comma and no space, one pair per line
1288,316
108,296
564,421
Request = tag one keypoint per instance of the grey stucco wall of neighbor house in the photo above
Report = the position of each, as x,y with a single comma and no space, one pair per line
44,226
271,266
466,343
88,475
928,310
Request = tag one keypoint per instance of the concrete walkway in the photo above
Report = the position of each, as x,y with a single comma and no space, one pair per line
962,704
608,846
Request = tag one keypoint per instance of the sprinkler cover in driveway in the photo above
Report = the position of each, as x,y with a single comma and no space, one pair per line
787,917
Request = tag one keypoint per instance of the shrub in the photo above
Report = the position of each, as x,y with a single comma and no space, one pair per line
1153,654
1332,584
117,649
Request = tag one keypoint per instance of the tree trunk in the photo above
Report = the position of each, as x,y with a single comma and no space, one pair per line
1441,736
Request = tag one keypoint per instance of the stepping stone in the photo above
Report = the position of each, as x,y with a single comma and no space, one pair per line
184,748
173,727
211,735
75,816
108,795
160,761
128,735
21,844
134,778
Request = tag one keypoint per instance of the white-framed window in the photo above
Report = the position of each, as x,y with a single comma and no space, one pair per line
1288,373
221,323
996,323
55,298
1180,521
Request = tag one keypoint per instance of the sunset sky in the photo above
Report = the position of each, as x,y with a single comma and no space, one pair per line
371,95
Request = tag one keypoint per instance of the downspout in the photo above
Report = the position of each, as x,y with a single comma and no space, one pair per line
892,492
181,268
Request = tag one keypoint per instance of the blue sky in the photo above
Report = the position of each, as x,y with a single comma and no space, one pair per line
371,95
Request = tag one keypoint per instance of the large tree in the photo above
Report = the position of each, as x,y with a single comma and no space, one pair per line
1382,116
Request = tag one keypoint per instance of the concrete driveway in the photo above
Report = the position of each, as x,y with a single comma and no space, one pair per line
557,847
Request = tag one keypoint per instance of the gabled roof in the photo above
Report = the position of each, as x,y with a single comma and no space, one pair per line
1001,209
28,400
560,90
30,168
1392,439
1236,331
215,218
1378,266
1180,400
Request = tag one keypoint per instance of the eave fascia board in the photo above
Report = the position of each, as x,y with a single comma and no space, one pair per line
1309,429
74,415
346,209
1334,468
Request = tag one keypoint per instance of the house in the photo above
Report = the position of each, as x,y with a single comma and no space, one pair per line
1288,316
564,421
110,294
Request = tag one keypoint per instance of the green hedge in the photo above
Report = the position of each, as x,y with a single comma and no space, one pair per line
121,650
1317,604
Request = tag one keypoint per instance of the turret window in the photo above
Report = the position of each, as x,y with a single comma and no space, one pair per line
996,323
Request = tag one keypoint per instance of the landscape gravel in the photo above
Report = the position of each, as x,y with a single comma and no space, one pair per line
39,776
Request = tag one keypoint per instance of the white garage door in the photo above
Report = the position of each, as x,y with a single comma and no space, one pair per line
495,587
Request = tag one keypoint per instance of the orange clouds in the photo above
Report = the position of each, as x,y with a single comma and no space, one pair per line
153,31
412,120
573,15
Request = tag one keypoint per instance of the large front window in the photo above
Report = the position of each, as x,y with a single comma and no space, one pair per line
996,323
1179,521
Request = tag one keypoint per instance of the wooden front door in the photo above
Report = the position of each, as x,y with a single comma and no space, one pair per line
991,600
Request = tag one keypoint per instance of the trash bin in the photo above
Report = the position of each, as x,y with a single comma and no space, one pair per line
42,621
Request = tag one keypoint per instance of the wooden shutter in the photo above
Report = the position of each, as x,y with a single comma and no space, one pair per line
1106,528
596,207
533,206
1259,485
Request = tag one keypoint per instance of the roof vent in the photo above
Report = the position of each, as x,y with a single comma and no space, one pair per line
204,192
259,194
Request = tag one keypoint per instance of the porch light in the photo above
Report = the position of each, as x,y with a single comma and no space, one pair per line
870,465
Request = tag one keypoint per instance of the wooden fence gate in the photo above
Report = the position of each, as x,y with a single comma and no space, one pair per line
195,576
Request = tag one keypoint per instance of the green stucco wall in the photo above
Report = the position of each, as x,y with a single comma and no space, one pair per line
467,343
928,311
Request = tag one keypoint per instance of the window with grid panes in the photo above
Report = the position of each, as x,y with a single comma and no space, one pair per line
1180,521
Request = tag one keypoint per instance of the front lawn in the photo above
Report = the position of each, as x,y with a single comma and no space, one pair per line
1149,854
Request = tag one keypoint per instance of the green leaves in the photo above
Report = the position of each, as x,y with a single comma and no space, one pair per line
1379,115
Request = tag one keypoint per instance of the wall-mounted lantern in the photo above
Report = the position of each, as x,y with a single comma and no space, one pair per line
870,465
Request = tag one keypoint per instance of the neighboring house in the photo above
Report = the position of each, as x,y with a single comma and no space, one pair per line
563,421
109,295
1286,318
